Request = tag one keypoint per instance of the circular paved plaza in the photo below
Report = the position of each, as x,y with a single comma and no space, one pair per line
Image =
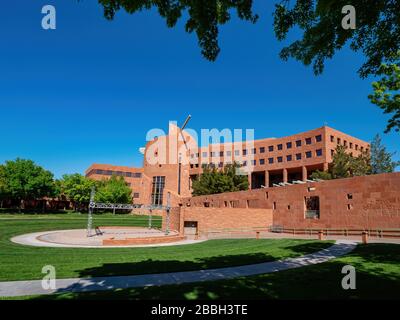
119,236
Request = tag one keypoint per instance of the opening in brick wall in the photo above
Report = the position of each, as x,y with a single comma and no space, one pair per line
311,207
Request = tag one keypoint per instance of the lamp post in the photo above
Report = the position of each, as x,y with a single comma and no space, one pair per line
90,217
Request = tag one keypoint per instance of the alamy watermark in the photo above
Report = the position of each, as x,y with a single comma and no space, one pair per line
208,147
49,280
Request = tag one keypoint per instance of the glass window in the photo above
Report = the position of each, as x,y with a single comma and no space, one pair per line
298,156
262,161
308,154
237,153
262,150
204,154
271,148
280,146
289,157
244,152
158,190
308,140
298,143
280,159
288,145
229,153
319,152
270,160
318,138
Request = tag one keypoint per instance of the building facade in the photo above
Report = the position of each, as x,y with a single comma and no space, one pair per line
173,161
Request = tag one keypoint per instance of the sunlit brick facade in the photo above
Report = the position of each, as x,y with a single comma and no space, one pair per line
268,162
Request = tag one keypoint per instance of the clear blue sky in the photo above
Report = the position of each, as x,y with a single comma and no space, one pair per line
90,90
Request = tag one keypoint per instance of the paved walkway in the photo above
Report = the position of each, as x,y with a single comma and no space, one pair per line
23,288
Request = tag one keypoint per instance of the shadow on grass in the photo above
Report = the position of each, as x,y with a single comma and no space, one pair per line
322,281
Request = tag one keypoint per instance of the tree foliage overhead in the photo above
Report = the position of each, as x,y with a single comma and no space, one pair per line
387,93
377,32
213,181
204,16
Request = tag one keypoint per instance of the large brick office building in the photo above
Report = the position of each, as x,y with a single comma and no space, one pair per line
268,162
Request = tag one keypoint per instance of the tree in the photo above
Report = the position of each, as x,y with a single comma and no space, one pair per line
77,189
381,160
114,190
24,180
205,16
322,175
387,93
340,166
360,165
213,181
319,23
3,194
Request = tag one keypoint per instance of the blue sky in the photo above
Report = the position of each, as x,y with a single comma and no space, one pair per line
90,90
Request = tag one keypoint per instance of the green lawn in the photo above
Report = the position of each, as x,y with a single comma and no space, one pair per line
377,277
25,263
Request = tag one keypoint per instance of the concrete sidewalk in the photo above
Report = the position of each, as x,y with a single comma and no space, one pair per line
24,288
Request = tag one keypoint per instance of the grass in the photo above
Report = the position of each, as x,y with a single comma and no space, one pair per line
377,277
25,263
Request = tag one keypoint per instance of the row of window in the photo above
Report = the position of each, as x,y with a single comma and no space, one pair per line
117,173
297,156
348,144
289,145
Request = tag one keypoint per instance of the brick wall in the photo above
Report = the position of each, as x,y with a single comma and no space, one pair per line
354,203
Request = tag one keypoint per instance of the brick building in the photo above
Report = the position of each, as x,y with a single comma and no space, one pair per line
171,162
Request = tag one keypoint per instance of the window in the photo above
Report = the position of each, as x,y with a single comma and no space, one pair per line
332,138
311,207
204,154
237,153
345,143
270,160
119,173
244,163
262,150
271,148
298,143
298,156
338,140
221,154
158,190
280,146
136,195
262,161
289,157
319,152
288,145
109,173
254,151
128,174
308,140
349,196
99,172
253,162
213,154
220,165
332,153
308,154
318,138
137,175
229,153
351,145
362,149
356,146
280,159
244,152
